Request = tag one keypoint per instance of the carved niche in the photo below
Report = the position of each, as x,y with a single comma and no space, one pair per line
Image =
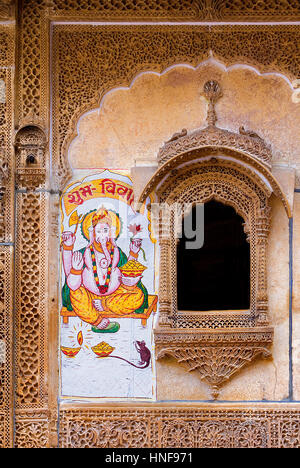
234,169
30,144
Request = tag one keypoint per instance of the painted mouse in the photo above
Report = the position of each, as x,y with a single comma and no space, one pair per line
145,355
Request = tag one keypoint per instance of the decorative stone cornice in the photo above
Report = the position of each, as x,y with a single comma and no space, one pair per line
237,336
217,138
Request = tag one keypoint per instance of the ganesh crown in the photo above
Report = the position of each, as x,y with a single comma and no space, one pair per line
101,216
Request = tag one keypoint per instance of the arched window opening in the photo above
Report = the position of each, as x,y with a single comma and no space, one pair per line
216,276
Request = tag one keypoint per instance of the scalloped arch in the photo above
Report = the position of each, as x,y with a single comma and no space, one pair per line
97,104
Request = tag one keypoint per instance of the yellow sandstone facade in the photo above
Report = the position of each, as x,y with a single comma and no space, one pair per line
93,85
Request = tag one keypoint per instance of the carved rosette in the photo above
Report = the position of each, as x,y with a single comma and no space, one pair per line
30,144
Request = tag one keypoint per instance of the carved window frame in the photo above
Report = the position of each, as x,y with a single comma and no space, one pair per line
228,184
216,344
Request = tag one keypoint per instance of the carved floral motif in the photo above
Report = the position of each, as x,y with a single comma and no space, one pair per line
181,427
32,434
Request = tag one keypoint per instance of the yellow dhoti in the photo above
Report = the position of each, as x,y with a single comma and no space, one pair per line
124,301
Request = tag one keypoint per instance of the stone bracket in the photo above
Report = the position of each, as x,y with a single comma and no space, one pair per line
215,354
30,178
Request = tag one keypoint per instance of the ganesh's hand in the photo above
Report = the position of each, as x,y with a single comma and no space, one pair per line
68,238
77,261
130,280
98,304
135,245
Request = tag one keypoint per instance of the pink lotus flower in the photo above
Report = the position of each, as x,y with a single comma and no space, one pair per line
135,229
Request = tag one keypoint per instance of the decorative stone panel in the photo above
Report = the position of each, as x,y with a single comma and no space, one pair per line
186,426
32,430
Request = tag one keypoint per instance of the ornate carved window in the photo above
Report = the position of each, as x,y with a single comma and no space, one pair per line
233,169
30,146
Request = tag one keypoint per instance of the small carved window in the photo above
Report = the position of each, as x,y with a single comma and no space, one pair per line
217,275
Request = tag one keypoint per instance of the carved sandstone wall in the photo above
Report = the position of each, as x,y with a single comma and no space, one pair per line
29,273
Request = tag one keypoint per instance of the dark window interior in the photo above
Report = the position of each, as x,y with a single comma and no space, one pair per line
216,276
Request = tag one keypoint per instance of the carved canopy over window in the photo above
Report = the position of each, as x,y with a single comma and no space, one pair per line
234,169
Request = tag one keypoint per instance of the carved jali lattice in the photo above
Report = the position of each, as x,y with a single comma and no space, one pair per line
31,364
6,382
6,232
6,150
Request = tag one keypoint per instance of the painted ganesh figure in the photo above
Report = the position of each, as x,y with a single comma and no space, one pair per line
96,285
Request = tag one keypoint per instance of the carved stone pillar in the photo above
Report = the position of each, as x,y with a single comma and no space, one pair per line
262,232
7,186
165,283
161,222
31,353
